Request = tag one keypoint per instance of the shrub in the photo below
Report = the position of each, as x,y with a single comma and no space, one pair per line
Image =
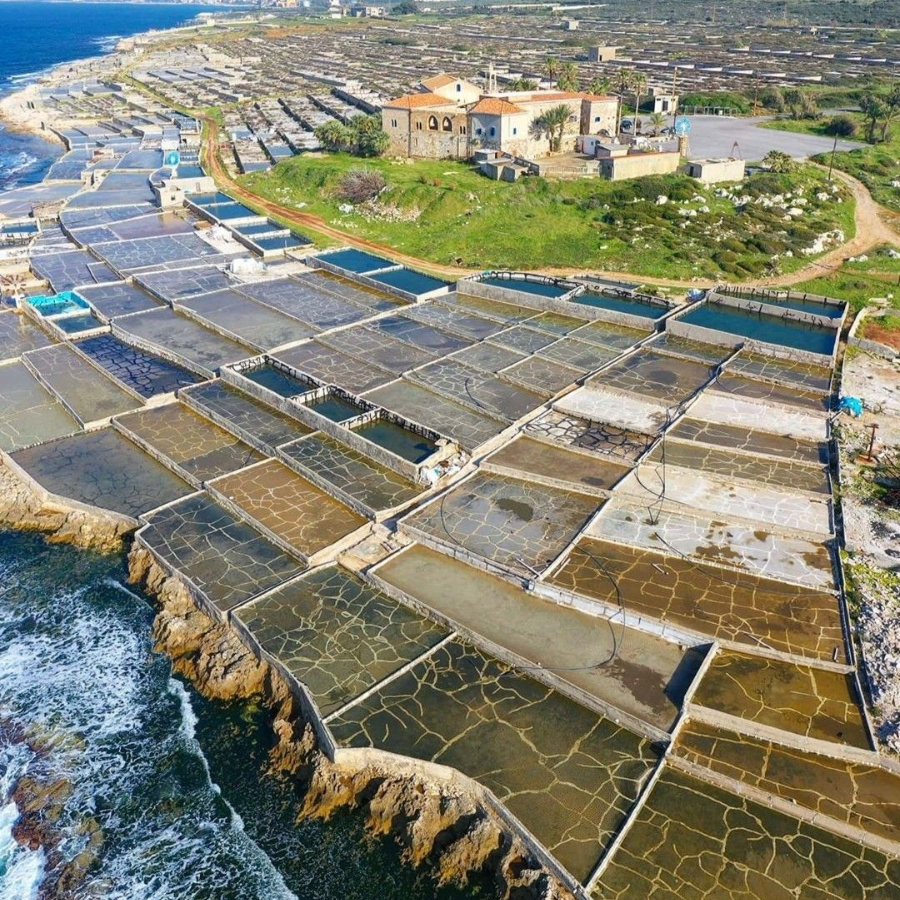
360,185
841,126
779,162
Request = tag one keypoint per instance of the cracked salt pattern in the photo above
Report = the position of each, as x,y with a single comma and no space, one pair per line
488,357
144,373
814,703
358,476
111,300
604,440
729,466
725,409
317,309
468,428
424,337
454,320
90,394
523,339
615,409
337,634
728,605
188,440
581,470
542,375
247,417
491,309
783,371
176,285
366,297
864,796
518,525
378,349
767,505
475,389
297,512
334,367
745,547
567,773
619,337
189,340
696,350
226,559
737,386
667,379
103,469
695,840
250,322
578,354
28,413
18,334
143,252
70,269
634,671
758,443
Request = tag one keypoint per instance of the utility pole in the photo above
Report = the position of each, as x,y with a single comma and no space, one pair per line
833,151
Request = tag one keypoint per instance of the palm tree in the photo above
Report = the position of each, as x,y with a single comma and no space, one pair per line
623,80
551,68
524,84
568,77
552,123
638,85
600,85
657,120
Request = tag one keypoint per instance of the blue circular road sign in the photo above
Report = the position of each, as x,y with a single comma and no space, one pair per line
683,126
173,157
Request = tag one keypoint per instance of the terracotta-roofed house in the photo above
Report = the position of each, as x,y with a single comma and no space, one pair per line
451,118
426,125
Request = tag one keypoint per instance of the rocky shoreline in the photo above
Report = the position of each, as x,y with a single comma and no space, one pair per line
24,508
436,824
40,796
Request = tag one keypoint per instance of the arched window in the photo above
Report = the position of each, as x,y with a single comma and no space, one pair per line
447,125
493,131
432,123
462,129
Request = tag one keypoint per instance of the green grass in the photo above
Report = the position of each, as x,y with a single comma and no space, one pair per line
447,213
858,289
875,165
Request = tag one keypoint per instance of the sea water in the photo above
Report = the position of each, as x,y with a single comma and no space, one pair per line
46,34
176,786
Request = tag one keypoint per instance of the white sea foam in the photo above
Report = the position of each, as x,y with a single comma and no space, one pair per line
21,869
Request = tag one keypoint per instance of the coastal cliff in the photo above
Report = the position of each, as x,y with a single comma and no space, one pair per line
24,508
437,824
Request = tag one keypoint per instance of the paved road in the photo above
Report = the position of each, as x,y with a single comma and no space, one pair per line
713,136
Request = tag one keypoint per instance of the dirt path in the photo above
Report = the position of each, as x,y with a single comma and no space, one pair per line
872,230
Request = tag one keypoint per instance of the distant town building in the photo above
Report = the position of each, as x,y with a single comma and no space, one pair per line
601,54
369,12
451,118
663,102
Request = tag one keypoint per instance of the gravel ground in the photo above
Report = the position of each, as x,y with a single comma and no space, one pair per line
872,536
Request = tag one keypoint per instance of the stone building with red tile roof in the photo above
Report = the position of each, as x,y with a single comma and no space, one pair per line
451,118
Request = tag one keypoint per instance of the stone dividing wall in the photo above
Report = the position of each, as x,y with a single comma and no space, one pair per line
475,288
678,328
321,262
734,298
440,817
